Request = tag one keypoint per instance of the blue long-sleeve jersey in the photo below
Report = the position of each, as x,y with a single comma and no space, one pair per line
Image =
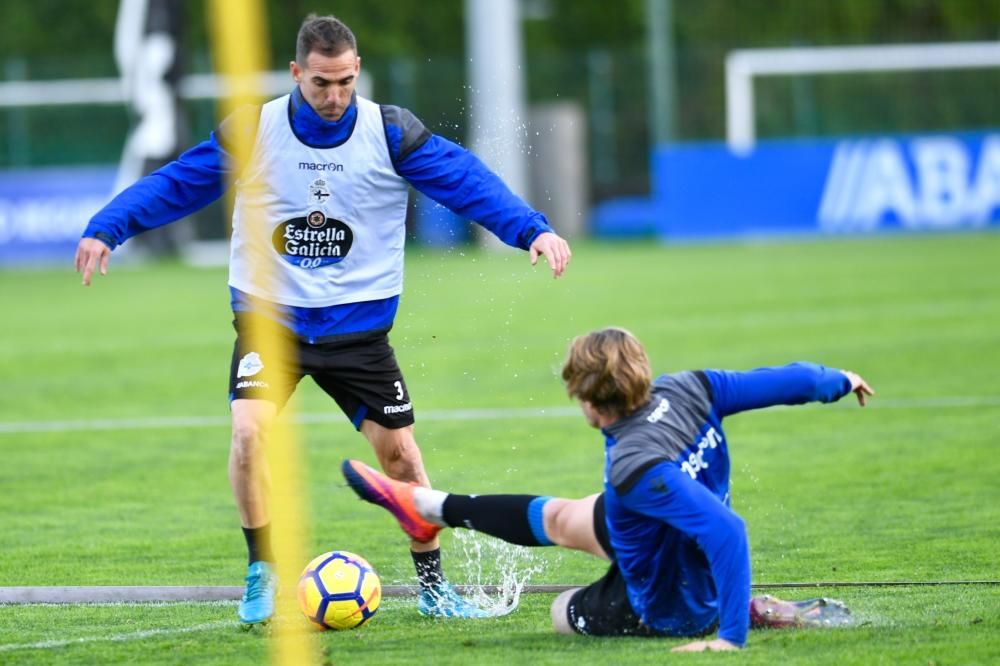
440,169
682,550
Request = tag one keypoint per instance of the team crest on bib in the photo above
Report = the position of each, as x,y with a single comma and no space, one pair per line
319,192
250,365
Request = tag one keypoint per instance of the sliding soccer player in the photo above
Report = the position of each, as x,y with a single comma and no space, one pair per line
680,559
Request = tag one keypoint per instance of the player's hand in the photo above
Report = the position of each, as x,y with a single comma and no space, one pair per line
555,249
717,645
859,386
90,254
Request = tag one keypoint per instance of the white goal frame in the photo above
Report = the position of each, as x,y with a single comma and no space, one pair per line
743,65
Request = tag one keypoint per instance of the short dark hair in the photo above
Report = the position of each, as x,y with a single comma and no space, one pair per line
324,34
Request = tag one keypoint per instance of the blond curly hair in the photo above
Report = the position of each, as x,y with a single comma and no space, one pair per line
610,370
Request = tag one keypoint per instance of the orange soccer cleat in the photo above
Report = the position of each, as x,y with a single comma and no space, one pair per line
395,496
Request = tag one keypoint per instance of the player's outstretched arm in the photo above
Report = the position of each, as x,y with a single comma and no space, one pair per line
792,384
859,386
555,249
91,254
457,179
189,183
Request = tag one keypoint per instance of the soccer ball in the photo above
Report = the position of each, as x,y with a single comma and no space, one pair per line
339,590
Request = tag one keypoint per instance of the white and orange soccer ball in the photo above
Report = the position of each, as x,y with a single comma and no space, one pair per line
339,590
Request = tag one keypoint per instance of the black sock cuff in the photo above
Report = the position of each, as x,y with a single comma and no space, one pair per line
258,543
503,516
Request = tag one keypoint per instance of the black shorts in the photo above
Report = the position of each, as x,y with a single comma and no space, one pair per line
602,608
360,373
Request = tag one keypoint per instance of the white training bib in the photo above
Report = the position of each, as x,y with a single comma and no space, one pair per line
314,227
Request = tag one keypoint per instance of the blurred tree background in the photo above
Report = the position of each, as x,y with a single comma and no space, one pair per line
584,51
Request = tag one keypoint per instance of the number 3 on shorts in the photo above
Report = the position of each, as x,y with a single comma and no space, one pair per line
399,389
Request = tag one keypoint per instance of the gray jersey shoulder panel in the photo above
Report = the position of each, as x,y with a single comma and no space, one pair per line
661,430
414,132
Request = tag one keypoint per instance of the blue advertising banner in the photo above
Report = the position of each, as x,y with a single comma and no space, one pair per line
44,211
843,185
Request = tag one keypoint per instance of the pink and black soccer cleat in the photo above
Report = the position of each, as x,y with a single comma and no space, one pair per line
395,496
769,612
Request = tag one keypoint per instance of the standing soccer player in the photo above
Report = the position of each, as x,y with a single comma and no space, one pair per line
322,204
680,561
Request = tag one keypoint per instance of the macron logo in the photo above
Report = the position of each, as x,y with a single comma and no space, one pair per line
696,460
660,410
320,166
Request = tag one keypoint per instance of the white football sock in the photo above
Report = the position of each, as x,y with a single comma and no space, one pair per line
430,504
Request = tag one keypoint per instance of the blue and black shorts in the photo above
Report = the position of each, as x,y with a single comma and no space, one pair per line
359,372
602,608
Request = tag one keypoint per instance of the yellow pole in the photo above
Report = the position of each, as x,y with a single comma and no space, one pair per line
241,54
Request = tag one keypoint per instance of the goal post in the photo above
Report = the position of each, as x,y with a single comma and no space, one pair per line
241,50
744,65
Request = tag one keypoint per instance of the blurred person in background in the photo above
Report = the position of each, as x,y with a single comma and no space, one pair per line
321,208
680,559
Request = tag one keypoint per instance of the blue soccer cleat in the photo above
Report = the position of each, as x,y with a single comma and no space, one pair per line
441,600
257,605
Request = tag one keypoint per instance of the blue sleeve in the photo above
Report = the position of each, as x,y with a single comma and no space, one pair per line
793,384
458,180
691,508
189,183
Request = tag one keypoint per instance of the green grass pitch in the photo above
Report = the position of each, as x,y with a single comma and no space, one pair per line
904,490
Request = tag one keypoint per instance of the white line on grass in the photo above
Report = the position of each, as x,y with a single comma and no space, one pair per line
485,413
159,594
117,638
151,423
112,595
117,593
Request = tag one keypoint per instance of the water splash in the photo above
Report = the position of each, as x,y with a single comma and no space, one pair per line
494,571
